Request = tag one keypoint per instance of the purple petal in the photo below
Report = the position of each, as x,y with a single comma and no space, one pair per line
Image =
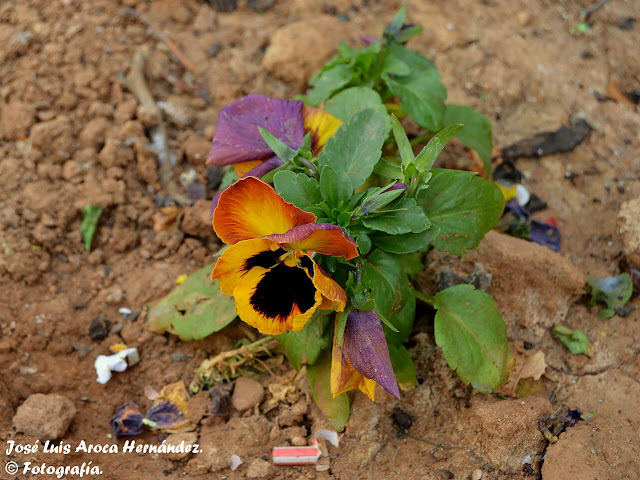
397,186
514,207
545,234
366,346
126,421
264,168
367,40
237,138
166,415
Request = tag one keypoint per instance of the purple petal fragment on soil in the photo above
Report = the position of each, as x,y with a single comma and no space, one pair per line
366,347
545,234
127,421
166,415
237,138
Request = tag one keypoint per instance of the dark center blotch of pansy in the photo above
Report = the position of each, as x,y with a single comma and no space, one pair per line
266,259
307,264
280,289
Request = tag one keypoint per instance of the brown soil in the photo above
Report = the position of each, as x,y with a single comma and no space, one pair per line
70,134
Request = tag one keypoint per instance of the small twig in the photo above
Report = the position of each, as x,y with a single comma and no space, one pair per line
136,84
587,11
182,58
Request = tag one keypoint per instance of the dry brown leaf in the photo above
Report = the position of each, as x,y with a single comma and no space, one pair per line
529,364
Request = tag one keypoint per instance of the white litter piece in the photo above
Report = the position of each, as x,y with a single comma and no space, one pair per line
125,311
118,362
328,435
522,194
234,462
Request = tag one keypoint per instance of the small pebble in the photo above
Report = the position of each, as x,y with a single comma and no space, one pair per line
178,357
99,327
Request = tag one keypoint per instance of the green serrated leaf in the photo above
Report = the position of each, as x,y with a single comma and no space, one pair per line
406,217
429,154
304,347
476,133
281,149
402,244
395,66
335,187
473,337
328,82
404,147
298,188
575,340
193,310
614,292
347,103
336,410
462,208
356,147
403,367
90,216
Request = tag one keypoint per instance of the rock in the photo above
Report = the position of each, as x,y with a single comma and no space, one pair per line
598,449
293,414
46,417
532,285
15,119
115,154
247,393
196,148
287,55
495,420
198,406
197,219
629,227
259,469
53,138
93,134
148,116
181,441
241,436
99,327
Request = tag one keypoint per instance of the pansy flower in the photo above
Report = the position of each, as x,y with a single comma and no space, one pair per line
362,359
238,142
269,266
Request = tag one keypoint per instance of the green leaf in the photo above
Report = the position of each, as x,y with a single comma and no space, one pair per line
615,292
575,340
395,66
403,367
328,82
193,310
421,93
356,146
405,217
341,323
364,243
228,178
387,169
281,149
402,244
404,147
347,103
90,216
462,208
335,187
336,410
413,263
473,336
304,347
476,133
298,188
429,154
390,289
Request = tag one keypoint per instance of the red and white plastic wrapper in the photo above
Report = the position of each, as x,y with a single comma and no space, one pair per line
304,455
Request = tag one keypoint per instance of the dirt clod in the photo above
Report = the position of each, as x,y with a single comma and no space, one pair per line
46,417
629,227
247,393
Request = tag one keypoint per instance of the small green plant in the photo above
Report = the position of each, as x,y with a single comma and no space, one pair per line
385,74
